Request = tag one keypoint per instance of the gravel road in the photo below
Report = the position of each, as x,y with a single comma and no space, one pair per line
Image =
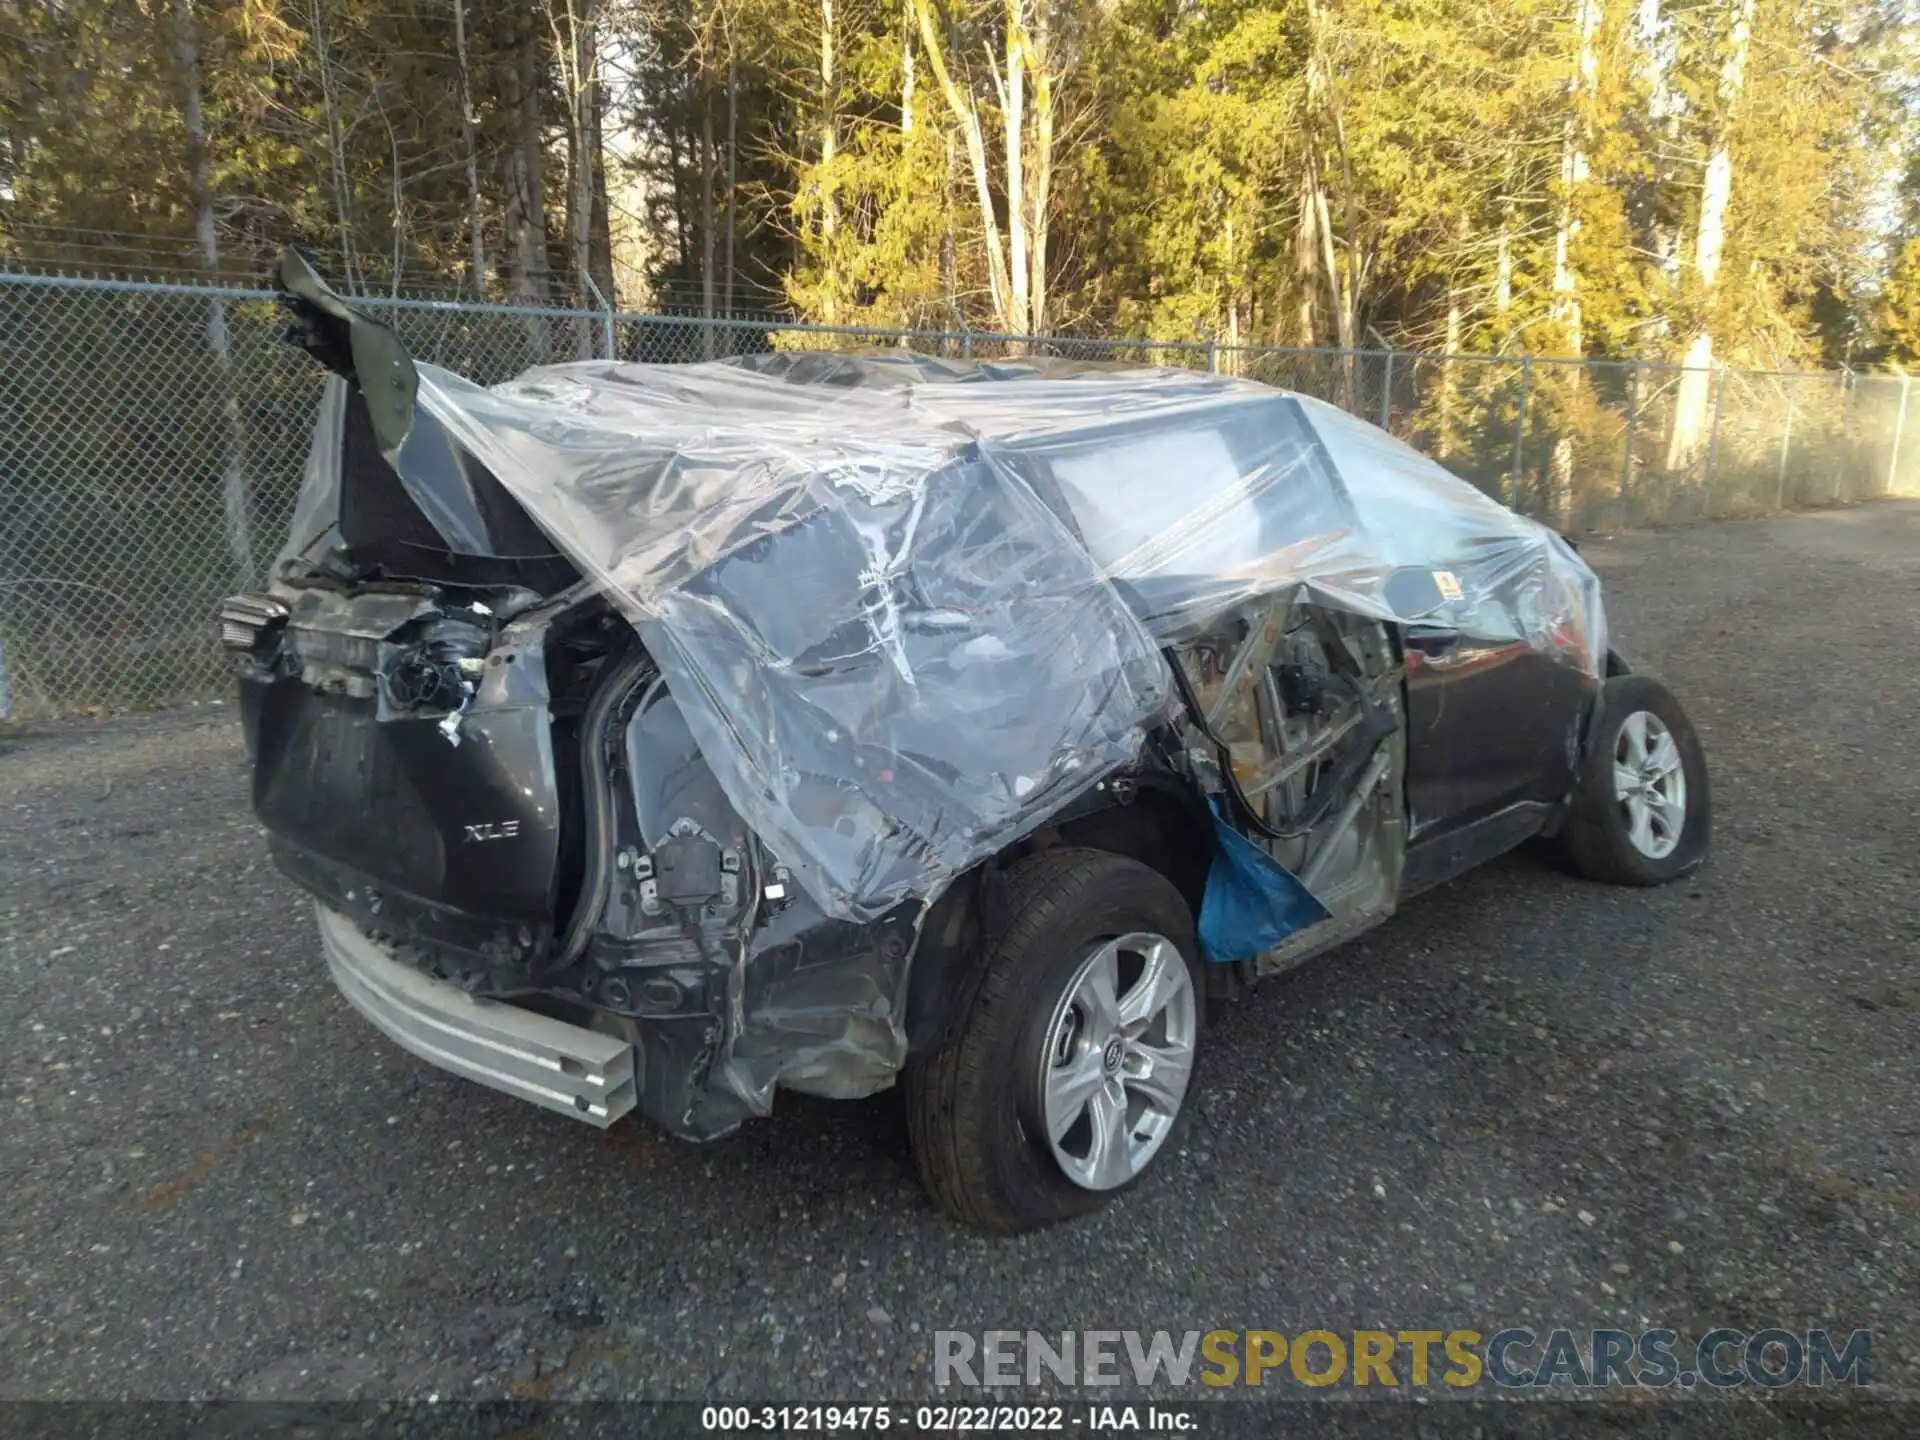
1527,1100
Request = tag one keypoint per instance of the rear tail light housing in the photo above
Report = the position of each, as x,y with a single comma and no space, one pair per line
249,624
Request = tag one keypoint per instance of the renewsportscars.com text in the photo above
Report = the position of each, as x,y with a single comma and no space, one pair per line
1511,1358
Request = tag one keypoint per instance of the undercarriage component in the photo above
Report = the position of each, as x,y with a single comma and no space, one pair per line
687,870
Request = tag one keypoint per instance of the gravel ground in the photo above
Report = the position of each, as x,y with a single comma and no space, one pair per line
1527,1100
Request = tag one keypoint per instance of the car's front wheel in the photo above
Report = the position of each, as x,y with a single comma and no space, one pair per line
1642,814
1069,1071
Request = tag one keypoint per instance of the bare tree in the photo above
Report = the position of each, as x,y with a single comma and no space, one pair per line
1654,70
1575,137
708,167
575,29
469,122
733,184
233,487
572,24
1574,140
1327,143
526,188
1017,264
829,152
336,136
907,77
1691,396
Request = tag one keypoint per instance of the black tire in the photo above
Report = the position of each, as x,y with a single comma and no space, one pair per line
1595,841
973,1105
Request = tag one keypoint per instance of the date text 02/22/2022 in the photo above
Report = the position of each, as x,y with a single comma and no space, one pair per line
939,1419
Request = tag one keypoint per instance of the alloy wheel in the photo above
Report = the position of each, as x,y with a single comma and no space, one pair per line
1650,782
1118,1057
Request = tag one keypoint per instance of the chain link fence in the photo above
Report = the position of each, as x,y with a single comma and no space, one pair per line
152,436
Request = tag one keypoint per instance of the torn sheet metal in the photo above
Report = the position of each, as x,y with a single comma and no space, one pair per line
912,608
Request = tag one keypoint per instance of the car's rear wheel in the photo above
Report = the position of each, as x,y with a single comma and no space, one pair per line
1643,814
1069,1071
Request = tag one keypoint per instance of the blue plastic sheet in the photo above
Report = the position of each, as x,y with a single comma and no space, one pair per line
1251,903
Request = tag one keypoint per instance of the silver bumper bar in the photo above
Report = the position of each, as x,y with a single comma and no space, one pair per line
576,1071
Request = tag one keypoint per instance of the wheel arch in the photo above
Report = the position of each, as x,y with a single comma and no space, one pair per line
1161,825
1597,711
1588,842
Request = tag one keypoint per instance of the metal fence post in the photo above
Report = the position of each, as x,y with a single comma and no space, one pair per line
1386,395
235,482
1899,433
1846,431
606,317
1786,443
1713,443
1520,427
1626,448
1213,356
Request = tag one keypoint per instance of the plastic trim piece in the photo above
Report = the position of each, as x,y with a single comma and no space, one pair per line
562,1067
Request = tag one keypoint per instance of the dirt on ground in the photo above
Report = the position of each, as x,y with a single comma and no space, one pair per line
1527,1100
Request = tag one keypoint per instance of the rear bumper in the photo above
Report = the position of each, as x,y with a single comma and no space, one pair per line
563,1067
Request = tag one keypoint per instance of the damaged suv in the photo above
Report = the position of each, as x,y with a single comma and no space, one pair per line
662,737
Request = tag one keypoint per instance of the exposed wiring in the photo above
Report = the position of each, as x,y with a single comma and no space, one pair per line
1376,721
1232,781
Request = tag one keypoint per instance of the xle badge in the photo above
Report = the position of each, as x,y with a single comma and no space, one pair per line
493,830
